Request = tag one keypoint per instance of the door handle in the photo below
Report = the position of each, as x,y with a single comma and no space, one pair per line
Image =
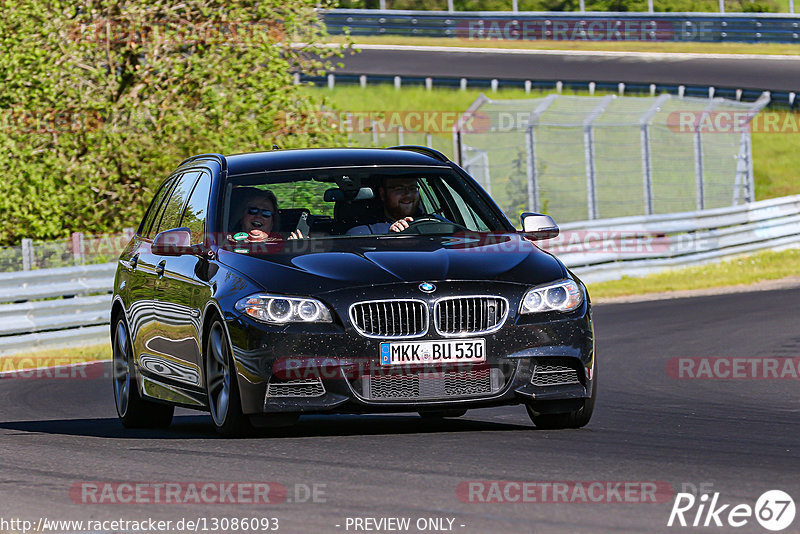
160,268
134,261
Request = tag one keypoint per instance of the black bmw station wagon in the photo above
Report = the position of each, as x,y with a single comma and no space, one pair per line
264,286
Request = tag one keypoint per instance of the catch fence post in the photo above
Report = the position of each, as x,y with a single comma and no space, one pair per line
78,245
530,145
647,160
27,254
588,145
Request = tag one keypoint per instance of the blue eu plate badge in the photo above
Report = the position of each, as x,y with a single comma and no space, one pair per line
385,354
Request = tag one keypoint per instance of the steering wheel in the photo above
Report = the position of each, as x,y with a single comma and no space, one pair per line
419,226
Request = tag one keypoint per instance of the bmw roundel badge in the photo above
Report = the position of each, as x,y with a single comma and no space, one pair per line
427,287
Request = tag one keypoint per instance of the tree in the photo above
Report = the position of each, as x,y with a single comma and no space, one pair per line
99,100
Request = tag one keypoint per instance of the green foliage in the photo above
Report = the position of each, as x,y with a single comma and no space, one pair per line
100,100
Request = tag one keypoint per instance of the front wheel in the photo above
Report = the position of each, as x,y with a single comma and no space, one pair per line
222,386
133,411
574,419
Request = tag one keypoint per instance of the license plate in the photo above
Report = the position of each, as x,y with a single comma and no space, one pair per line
439,351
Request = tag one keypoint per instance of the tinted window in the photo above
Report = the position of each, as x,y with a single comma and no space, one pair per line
194,216
154,211
440,195
177,200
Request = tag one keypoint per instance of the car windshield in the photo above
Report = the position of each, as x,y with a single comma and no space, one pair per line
352,202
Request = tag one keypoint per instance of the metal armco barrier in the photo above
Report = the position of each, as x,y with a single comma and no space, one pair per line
595,250
60,282
50,308
561,26
608,249
778,99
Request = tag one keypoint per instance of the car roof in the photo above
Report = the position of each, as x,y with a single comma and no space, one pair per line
311,158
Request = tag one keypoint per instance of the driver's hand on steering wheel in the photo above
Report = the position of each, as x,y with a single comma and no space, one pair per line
401,224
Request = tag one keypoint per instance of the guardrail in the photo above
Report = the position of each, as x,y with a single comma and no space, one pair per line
608,249
566,26
778,99
451,7
50,308
596,250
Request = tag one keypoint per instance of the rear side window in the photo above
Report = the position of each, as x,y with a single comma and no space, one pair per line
154,211
194,216
173,208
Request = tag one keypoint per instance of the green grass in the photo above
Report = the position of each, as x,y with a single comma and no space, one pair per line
737,272
612,46
776,160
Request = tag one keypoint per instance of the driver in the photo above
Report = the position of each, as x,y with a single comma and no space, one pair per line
400,198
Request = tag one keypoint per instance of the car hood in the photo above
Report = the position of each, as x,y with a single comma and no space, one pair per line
314,266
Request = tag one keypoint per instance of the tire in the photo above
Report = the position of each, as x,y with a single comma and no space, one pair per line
441,414
222,387
574,419
132,409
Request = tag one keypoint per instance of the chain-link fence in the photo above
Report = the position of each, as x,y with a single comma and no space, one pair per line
578,157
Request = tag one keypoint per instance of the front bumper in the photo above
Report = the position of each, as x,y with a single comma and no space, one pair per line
332,359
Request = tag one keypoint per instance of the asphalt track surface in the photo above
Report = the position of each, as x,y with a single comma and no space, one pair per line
739,436
670,69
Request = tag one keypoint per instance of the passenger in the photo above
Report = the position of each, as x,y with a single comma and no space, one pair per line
400,198
258,215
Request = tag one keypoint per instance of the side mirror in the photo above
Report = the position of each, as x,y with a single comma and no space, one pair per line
538,226
175,242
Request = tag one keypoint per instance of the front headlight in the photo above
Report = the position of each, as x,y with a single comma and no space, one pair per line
562,296
277,309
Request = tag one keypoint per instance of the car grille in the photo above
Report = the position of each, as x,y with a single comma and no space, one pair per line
296,388
390,318
553,375
470,315
432,384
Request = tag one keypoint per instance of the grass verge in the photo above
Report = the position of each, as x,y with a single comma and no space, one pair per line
746,270
671,47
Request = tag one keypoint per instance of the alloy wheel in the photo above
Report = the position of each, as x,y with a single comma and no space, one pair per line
121,369
218,375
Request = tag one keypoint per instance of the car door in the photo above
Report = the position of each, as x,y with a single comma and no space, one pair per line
179,291
141,272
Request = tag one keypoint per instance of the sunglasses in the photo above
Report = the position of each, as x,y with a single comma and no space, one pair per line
252,210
